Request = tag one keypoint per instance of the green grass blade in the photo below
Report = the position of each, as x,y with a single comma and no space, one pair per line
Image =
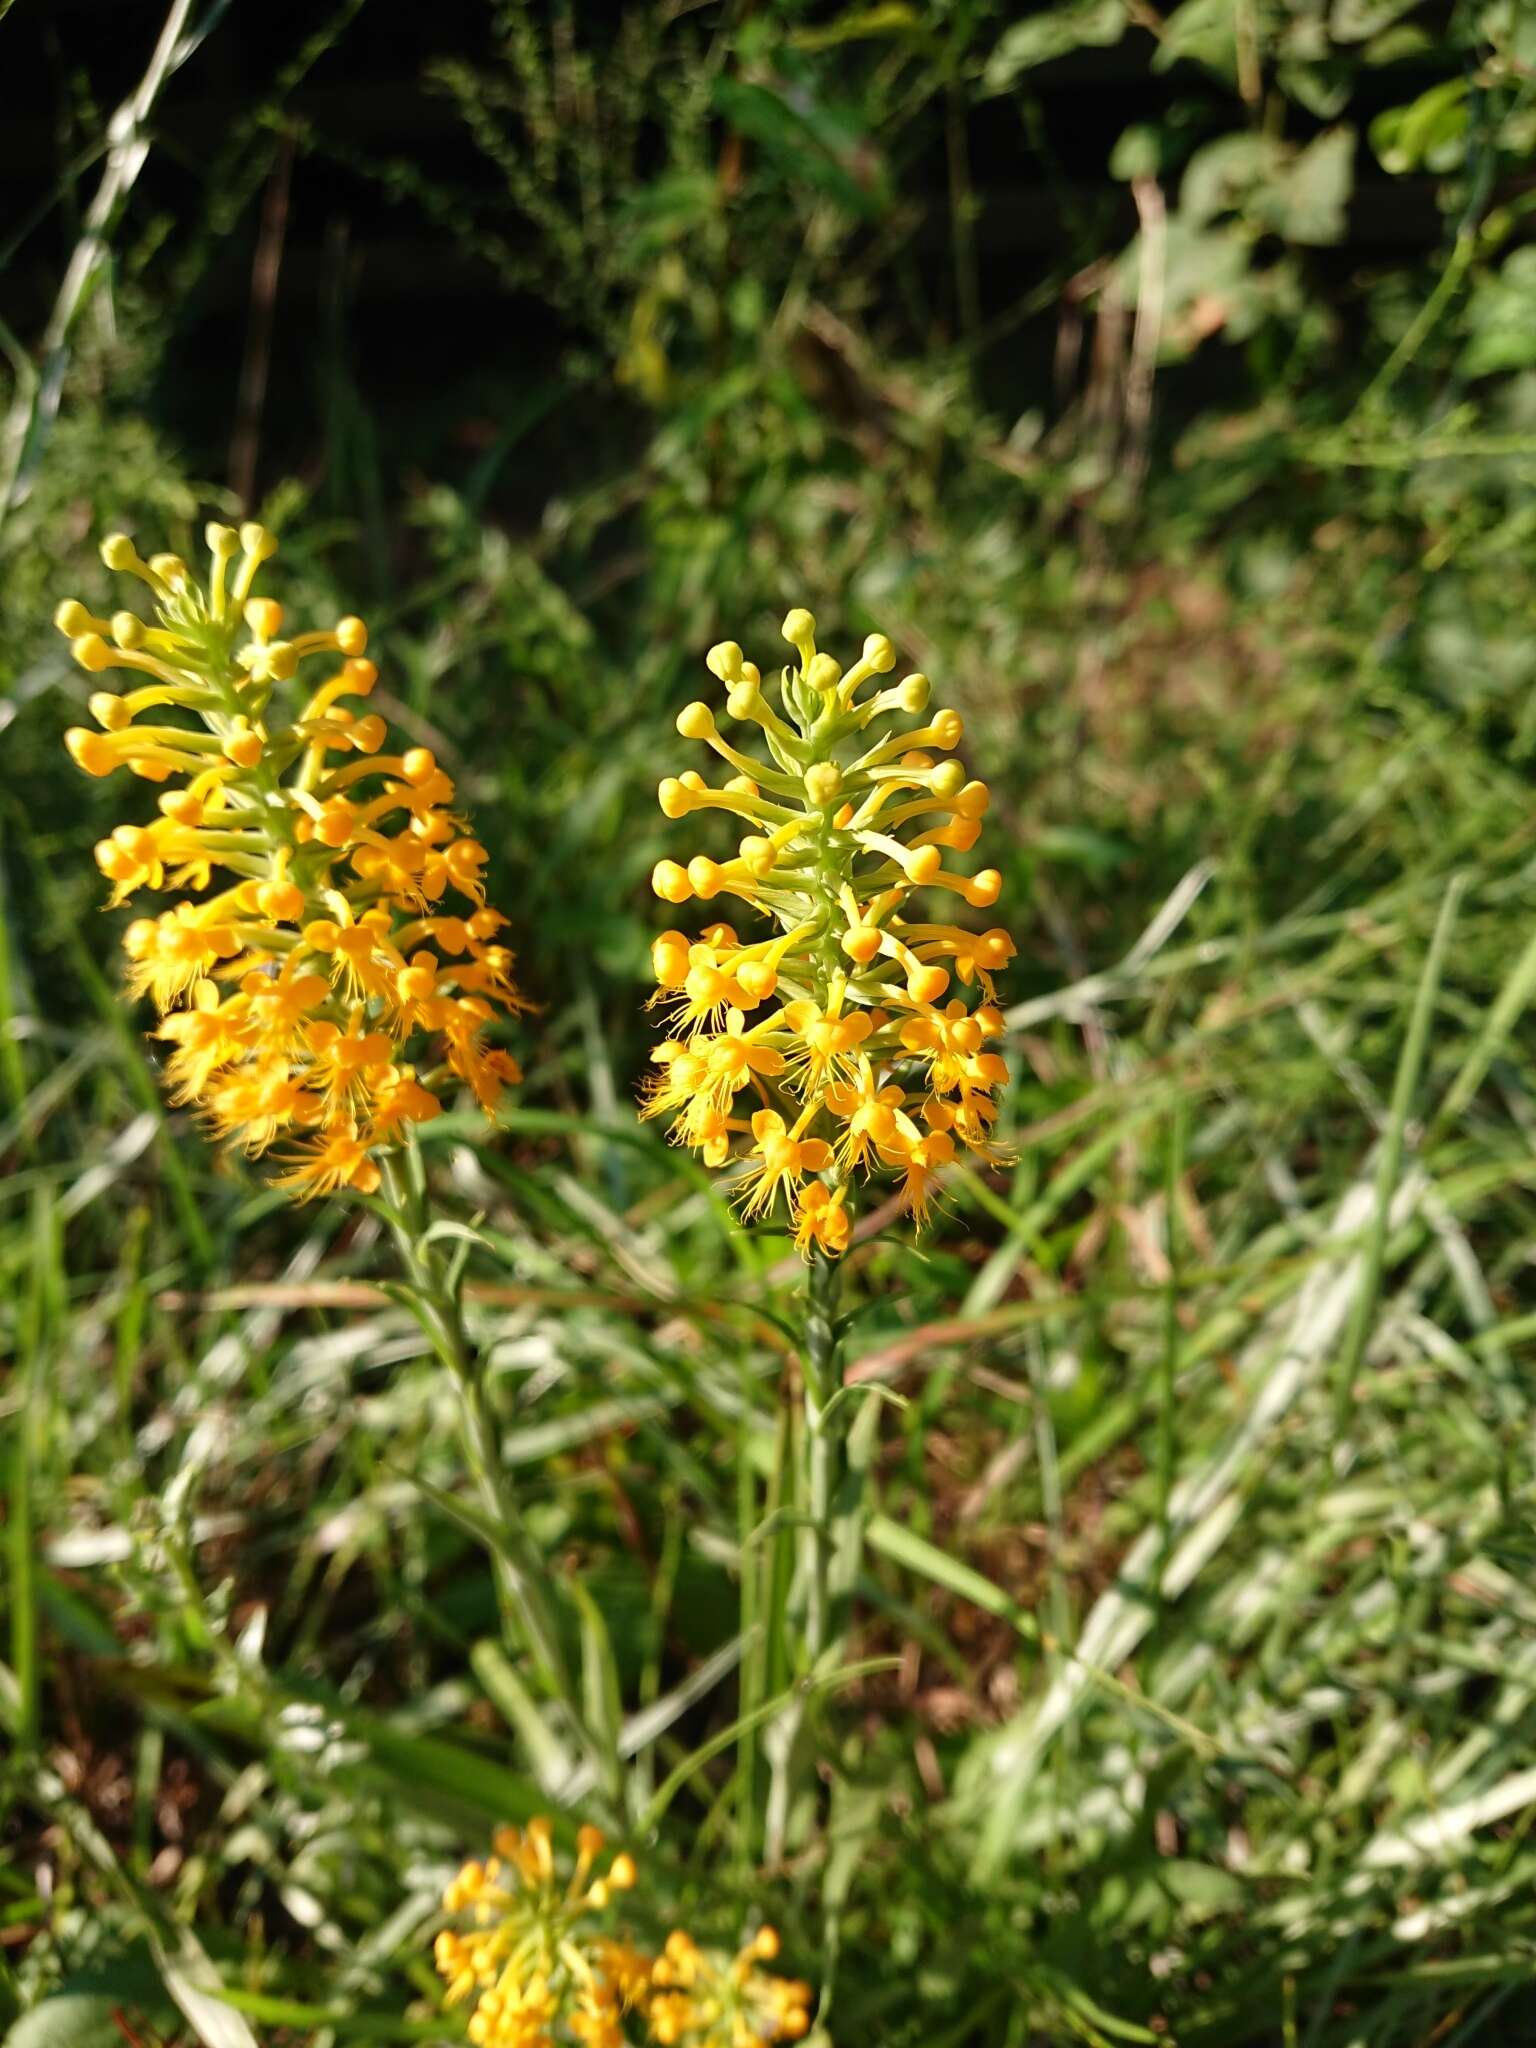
1390,1160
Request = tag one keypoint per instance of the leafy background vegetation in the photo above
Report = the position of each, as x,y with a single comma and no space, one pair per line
1163,380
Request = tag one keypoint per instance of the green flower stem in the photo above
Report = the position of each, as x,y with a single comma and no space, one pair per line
517,1566
792,1783
822,1373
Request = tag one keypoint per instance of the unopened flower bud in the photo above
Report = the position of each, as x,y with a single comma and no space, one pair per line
92,653
671,882
705,876
823,782
696,722
109,710
256,540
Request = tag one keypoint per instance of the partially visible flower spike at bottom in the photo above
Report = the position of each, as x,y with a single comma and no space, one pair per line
531,1948
854,1037
704,1999
531,1951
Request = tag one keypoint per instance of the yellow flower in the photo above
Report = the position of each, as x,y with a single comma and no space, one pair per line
823,1221
704,1999
331,988
780,1158
526,1950
847,1024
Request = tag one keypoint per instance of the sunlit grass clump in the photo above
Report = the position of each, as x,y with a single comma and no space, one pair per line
344,973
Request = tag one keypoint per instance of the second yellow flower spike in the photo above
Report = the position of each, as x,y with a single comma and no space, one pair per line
859,1034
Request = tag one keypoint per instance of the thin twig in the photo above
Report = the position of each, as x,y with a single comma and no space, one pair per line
33,411
256,368
1151,281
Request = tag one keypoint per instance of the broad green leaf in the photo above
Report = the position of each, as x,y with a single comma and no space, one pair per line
1211,286
1221,177
1202,32
72,2019
1307,202
1323,89
1092,24
1501,319
349,2026
193,1982
1356,21
1398,46
1430,131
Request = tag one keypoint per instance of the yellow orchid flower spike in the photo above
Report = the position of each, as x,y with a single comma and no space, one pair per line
854,1038
527,1949
343,972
